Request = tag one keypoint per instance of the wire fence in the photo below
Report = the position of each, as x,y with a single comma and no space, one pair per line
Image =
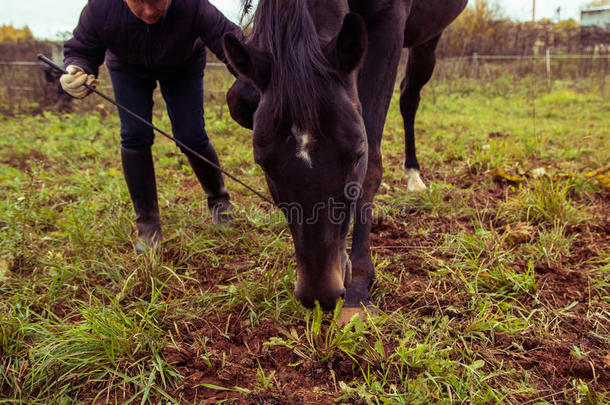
31,83
32,86
550,66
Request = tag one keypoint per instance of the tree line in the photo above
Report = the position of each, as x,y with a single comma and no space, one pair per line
482,28
10,34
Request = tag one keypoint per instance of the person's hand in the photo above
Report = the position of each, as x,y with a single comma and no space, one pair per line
74,82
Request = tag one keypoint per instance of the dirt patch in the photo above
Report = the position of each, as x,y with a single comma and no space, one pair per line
493,135
23,265
228,352
22,160
556,363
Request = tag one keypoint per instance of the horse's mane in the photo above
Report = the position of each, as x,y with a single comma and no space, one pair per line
300,70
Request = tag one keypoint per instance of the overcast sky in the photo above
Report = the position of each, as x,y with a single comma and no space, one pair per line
48,17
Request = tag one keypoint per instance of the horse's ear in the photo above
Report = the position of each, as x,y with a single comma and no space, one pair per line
248,61
350,44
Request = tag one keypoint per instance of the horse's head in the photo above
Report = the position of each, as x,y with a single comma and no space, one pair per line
309,136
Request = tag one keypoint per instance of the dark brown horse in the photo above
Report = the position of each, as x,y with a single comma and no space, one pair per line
325,72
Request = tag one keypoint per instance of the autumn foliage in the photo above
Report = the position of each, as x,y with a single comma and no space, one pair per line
484,29
10,34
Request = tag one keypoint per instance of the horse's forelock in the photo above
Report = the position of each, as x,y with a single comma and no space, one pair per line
286,30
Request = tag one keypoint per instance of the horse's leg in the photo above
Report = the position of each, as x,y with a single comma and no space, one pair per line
420,66
375,87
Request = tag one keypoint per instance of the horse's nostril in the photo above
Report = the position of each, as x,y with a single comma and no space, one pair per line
326,295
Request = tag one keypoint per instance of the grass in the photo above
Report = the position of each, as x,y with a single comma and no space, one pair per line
490,290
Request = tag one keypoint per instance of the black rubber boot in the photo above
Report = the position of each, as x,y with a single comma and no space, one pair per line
139,174
213,185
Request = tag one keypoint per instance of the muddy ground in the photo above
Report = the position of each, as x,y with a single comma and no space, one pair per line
547,359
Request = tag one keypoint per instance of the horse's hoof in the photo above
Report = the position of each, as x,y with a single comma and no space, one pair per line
364,313
414,181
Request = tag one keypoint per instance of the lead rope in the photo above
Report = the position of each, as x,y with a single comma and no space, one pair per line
110,100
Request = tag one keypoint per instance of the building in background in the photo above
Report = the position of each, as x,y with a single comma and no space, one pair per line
596,17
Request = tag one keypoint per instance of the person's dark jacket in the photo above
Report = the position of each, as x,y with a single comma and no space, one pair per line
172,47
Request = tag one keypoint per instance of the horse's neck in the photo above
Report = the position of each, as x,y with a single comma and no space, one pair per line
328,17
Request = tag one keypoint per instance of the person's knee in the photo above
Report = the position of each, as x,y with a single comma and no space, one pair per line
137,140
198,142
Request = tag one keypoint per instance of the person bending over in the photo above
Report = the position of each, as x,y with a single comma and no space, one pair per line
144,42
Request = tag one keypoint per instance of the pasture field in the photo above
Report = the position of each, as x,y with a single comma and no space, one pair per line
493,286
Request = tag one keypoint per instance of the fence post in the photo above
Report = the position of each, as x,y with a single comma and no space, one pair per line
548,68
475,65
605,55
57,53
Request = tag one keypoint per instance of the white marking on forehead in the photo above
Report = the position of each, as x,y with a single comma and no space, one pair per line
304,139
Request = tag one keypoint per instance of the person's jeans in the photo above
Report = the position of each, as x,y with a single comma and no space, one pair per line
184,100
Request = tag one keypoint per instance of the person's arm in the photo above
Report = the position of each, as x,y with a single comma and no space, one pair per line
213,25
86,49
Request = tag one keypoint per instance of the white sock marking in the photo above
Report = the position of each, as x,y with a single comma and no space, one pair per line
414,181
